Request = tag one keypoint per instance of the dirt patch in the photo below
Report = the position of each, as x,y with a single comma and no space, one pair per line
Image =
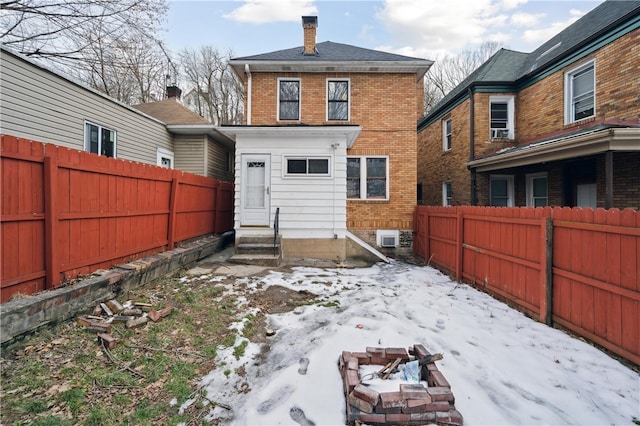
62,376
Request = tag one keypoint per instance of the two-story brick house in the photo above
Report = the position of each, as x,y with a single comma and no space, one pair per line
558,126
329,141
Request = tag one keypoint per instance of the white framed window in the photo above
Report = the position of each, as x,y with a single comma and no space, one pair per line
537,190
288,99
338,99
446,194
501,110
307,166
579,92
99,140
446,134
367,178
164,158
501,190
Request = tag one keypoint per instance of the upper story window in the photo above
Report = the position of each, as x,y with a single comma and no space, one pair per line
446,134
447,196
367,178
99,140
501,190
502,117
307,166
338,100
579,92
288,99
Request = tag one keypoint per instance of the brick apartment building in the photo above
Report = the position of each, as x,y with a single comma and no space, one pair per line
329,142
559,126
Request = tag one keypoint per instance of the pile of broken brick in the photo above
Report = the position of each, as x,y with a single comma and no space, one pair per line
428,402
131,314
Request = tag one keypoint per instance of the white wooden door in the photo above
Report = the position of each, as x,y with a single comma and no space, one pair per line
255,196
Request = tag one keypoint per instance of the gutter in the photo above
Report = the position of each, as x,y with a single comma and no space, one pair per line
247,70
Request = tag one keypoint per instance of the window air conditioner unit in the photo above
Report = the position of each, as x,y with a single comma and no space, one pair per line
387,237
499,133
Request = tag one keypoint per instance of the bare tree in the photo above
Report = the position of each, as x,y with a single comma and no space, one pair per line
213,89
450,70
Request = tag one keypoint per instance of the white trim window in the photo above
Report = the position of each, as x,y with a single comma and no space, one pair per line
446,134
501,111
501,190
307,166
164,158
288,99
537,190
99,140
446,194
338,99
367,178
580,93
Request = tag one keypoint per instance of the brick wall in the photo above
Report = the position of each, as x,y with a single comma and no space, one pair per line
540,107
436,166
385,106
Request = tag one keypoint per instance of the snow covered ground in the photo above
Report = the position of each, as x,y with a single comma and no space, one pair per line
504,368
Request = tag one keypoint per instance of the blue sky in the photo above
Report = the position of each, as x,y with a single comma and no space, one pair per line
419,28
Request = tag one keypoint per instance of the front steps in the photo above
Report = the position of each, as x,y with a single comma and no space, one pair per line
257,250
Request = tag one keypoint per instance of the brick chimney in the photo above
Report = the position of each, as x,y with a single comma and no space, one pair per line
174,92
309,24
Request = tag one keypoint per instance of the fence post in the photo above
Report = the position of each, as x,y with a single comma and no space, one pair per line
546,271
459,248
427,249
173,203
52,266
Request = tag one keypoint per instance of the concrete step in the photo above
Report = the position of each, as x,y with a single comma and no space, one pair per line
256,259
257,248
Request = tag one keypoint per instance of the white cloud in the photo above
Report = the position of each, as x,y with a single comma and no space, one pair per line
265,11
526,19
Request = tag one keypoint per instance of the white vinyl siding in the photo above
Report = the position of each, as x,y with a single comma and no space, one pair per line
219,164
310,206
40,105
190,153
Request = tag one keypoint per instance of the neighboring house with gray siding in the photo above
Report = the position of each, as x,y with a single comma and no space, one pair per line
40,104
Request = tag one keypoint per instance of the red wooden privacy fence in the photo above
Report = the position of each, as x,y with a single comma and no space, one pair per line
67,212
576,267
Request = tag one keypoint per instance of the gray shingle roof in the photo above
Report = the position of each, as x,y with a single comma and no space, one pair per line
328,52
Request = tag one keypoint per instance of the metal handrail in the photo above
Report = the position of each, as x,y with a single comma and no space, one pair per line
276,226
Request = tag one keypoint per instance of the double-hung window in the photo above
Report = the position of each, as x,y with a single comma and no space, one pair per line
367,178
338,100
99,140
446,194
579,89
537,192
501,190
502,117
310,166
446,134
288,99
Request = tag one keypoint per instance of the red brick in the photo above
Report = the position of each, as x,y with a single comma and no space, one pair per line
352,379
363,357
107,340
393,353
83,321
423,418
375,352
361,405
166,311
420,351
115,306
417,405
121,318
452,417
398,418
99,326
366,394
372,418
432,367
436,378
379,361
439,393
154,315
413,391
437,406
134,312
352,364
392,400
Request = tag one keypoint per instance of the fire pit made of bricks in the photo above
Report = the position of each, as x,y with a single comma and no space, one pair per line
396,386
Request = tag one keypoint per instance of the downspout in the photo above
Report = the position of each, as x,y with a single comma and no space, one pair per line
472,153
248,72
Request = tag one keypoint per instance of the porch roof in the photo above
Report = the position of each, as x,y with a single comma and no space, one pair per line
591,141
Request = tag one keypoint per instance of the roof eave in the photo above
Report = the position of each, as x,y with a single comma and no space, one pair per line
349,132
620,139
